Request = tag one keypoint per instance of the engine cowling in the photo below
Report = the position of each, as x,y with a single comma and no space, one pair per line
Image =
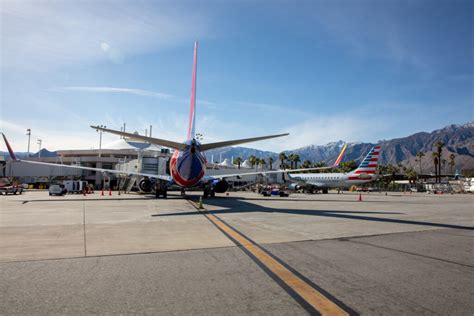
294,186
145,185
221,186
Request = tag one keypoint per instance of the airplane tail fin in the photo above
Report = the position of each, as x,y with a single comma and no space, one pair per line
192,108
341,155
10,150
370,162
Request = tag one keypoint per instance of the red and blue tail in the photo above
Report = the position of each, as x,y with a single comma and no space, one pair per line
10,150
370,162
192,110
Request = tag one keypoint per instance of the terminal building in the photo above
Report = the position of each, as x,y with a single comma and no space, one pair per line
124,155
111,156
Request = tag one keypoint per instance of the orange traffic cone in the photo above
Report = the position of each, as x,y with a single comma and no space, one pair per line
360,197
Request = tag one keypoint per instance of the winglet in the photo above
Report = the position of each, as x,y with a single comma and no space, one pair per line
339,158
192,108
10,150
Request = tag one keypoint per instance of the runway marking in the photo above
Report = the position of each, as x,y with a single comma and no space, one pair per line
314,299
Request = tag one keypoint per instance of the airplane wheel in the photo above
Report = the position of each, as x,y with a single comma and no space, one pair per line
183,192
325,191
213,194
165,193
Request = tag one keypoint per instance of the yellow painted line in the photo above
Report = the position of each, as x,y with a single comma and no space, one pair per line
312,296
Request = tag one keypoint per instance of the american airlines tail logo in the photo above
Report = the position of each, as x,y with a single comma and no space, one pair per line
370,162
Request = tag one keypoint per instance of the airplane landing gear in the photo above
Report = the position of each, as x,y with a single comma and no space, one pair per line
161,190
208,192
183,192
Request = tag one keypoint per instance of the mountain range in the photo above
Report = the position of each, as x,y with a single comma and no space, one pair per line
458,140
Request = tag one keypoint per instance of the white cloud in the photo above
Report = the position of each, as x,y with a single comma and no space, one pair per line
140,92
52,139
43,35
328,128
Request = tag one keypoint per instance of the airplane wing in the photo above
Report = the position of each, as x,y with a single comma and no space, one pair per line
232,175
151,140
13,157
205,147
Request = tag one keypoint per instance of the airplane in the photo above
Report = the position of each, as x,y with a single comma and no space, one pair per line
187,164
366,172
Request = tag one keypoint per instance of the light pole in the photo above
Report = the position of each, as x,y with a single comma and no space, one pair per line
100,139
28,133
39,141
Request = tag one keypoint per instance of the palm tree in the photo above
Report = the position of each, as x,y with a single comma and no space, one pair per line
253,160
347,166
270,162
282,156
306,164
296,159
262,162
439,145
451,162
411,175
434,155
238,161
291,158
420,156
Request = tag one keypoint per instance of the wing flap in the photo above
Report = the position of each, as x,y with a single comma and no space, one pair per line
151,140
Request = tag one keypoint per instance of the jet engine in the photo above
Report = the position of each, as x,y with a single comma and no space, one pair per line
294,186
221,186
145,185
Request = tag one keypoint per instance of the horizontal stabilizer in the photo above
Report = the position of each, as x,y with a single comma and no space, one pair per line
238,141
151,140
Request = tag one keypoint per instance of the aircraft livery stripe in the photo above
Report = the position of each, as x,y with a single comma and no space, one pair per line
192,111
314,299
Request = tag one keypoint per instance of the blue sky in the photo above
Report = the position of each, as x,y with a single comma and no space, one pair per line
321,70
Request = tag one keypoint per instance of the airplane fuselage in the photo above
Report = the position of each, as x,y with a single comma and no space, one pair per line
331,180
188,166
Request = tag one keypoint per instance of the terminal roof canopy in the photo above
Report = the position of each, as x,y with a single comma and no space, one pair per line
124,144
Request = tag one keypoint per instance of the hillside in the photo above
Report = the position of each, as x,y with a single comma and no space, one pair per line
459,140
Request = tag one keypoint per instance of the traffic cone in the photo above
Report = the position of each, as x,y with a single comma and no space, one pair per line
360,197
200,203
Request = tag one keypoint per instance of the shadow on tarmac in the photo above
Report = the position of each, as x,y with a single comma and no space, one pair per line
237,205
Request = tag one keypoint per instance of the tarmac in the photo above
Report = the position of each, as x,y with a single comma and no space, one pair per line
304,254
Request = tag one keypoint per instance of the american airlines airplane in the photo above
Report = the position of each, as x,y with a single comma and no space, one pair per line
188,163
366,172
